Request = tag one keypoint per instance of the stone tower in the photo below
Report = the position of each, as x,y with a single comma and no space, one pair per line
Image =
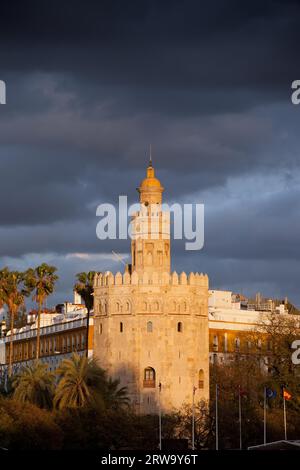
151,324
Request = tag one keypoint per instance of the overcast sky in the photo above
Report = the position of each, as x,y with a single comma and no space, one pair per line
91,84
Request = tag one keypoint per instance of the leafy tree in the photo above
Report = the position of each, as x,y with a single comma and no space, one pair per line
85,288
34,384
12,294
24,426
276,333
204,424
40,280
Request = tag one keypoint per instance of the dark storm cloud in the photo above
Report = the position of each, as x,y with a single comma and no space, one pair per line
168,46
91,84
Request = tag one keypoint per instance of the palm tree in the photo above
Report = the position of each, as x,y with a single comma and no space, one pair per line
81,383
85,288
34,384
41,281
12,293
115,397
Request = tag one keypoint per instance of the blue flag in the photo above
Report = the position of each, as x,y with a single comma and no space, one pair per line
270,393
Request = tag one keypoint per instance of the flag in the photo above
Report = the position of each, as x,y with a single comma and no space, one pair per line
270,393
286,394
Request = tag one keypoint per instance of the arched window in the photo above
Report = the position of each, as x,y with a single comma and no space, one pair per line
201,379
149,377
179,327
149,327
121,327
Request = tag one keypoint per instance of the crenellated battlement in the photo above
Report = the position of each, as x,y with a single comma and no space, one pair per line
173,279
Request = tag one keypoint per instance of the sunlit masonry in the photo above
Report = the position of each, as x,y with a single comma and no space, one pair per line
154,329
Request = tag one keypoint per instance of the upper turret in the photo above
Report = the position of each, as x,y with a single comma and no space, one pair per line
150,189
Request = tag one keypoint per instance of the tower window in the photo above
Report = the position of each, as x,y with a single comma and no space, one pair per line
121,327
149,377
201,379
179,327
149,327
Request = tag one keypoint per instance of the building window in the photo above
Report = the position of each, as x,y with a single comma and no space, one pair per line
201,379
149,378
149,327
237,344
121,327
215,343
179,327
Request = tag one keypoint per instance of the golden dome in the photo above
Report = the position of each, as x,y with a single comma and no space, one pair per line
150,184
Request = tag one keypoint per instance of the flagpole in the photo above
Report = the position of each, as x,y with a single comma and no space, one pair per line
265,415
159,415
217,424
193,419
284,417
240,417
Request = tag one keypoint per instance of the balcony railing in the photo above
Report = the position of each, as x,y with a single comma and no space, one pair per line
149,383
